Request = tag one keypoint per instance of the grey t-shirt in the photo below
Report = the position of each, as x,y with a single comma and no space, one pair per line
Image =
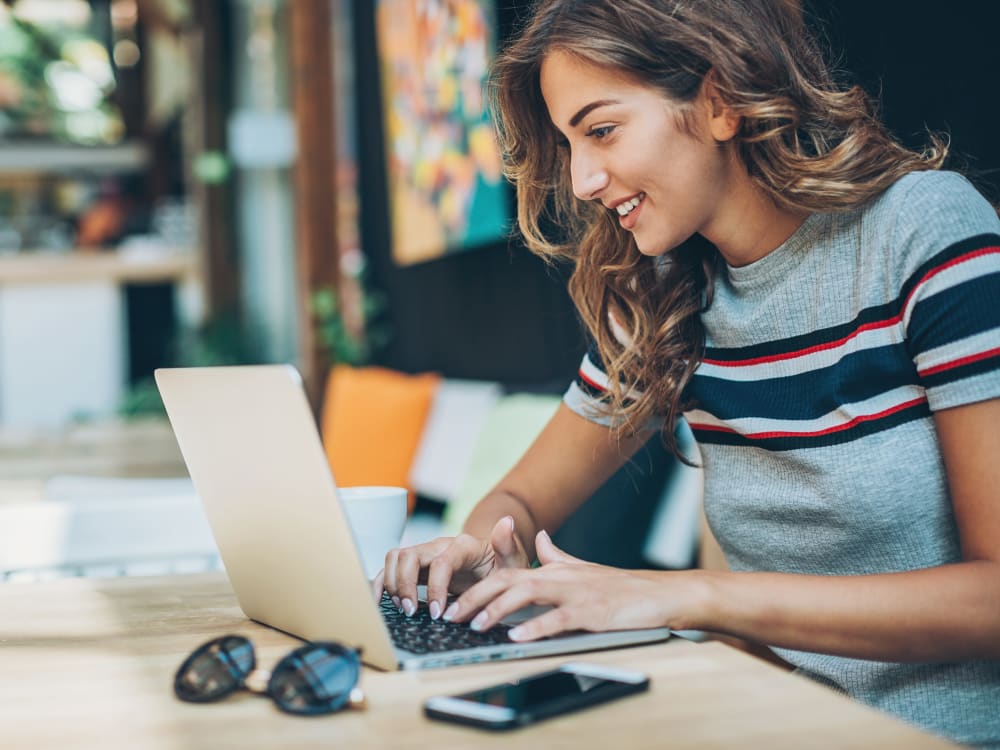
825,361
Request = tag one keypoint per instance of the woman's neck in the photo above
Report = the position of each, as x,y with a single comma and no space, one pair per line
750,224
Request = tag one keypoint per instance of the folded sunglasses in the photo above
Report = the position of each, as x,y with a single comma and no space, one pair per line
316,678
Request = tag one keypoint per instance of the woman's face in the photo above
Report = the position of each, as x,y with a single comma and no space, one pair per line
629,151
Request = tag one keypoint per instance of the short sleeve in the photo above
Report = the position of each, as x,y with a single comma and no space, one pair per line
949,239
586,393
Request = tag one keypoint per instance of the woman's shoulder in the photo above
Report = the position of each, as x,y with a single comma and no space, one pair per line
935,197
926,213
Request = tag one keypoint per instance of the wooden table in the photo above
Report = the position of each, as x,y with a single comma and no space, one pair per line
88,663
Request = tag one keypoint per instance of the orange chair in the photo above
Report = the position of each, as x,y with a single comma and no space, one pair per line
372,421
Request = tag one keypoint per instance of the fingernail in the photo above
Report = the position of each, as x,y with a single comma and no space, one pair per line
408,607
435,609
478,621
544,533
396,603
510,519
449,614
516,634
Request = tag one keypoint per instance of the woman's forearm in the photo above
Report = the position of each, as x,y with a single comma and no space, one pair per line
945,613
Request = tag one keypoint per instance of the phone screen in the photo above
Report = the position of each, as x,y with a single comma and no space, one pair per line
535,697
531,693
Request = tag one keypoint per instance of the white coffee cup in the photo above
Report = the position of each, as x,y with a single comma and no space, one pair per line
377,516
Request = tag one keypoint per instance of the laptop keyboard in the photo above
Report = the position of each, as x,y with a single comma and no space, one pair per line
420,634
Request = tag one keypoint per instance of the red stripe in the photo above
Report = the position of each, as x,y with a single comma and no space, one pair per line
809,350
961,361
817,433
866,327
590,381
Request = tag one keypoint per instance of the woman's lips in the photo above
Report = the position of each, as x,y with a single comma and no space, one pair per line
629,220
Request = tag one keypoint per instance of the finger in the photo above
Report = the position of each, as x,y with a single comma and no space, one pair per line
507,548
553,622
462,553
408,566
485,591
389,579
510,601
548,552
378,586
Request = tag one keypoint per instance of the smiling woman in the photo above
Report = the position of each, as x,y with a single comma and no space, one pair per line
753,251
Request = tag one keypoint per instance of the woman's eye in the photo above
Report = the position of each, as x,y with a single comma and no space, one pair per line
601,132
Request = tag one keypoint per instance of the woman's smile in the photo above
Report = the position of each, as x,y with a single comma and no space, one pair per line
628,211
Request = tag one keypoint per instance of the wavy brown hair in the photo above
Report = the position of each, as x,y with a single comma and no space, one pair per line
807,142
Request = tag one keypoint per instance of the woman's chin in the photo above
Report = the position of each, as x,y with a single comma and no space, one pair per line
650,248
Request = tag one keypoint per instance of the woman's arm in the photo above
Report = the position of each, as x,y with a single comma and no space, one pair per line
948,612
945,613
564,466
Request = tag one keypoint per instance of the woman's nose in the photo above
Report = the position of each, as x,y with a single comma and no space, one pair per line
589,177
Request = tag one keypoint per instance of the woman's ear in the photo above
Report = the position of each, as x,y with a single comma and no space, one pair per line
723,122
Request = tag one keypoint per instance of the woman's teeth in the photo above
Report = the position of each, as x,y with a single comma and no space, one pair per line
624,209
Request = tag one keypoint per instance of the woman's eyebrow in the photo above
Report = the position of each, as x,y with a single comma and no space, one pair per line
588,108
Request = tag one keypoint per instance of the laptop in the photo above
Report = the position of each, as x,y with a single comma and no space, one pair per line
249,439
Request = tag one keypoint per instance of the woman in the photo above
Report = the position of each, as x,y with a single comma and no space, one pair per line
753,251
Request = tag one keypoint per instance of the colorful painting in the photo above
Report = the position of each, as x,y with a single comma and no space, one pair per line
446,190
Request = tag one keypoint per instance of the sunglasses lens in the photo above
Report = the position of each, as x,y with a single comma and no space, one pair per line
315,679
215,669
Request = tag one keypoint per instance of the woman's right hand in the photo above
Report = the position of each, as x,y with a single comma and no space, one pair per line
447,564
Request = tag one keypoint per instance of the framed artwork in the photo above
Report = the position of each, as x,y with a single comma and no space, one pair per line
445,187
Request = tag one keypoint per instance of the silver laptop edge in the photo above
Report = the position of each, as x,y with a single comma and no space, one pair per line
249,440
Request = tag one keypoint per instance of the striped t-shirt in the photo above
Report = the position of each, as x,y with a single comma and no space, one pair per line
813,405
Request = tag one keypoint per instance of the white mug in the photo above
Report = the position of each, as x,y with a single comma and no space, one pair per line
377,516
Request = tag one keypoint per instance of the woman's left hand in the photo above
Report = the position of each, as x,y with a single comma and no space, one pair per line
583,596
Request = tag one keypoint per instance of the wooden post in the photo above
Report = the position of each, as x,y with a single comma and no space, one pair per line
317,253
205,131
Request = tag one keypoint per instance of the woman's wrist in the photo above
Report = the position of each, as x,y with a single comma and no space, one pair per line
690,599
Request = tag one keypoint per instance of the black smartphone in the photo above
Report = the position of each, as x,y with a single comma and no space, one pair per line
529,699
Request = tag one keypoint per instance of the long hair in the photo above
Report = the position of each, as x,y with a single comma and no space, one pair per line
807,142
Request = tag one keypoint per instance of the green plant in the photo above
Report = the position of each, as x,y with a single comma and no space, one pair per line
220,341
353,340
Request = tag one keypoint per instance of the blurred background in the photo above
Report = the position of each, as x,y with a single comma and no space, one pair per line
195,182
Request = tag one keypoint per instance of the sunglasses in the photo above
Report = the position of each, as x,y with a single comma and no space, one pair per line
317,678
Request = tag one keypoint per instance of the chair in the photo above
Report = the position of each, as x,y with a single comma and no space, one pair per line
371,423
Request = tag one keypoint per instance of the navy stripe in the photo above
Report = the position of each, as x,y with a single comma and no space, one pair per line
808,395
860,430
806,340
956,313
872,314
951,375
951,252
594,353
593,392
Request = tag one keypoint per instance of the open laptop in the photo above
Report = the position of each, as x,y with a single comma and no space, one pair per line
251,445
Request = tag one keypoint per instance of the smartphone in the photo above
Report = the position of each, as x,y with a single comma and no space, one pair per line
529,699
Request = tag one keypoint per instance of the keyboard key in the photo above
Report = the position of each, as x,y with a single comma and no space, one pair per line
421,635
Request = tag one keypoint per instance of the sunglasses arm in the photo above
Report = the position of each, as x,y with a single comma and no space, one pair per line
357,699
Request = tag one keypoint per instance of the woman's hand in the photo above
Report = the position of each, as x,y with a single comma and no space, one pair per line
583,596
448,564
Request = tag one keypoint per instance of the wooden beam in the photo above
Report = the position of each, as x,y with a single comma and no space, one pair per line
205,132
317,252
